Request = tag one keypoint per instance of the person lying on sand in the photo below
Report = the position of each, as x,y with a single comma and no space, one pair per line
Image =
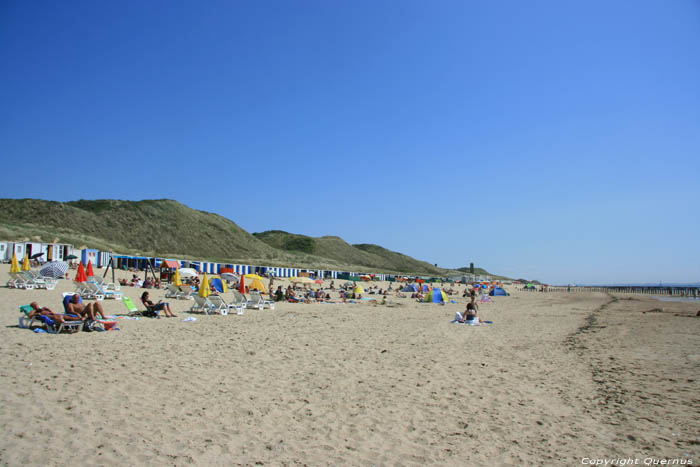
160,306
44,311
74,306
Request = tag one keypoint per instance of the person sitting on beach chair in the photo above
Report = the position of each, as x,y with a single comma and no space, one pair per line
74,306
155,307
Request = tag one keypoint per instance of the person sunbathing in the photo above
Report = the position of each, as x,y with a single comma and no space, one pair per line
468,316
155,307
44,311
74,306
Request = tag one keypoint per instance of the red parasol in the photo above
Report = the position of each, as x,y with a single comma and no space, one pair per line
90,272
81,276
241,285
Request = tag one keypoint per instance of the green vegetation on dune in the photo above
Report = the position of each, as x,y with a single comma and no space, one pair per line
170,229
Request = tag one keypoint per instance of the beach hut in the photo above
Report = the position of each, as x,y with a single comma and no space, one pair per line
88,255
167,269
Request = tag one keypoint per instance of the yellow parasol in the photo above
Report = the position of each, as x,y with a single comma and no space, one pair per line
25,264
204,291
359,289
177,282
257,284
15,264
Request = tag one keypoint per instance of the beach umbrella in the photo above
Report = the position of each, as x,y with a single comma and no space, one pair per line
204,291
55,269
38,255
81,276
257,285
15,264
241,285
69,257
90,272
187,273
177,282
229,276
25,264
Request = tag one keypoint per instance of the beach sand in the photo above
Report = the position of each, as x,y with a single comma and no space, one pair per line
556,378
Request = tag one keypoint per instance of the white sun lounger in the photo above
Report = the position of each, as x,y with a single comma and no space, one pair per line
257,301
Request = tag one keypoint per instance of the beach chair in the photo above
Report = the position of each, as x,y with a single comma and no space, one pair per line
211,304
104,284
50,325
38,281
81,289
98,291
172,292
92,291
257,301
12,281
186,292
21,281
239,300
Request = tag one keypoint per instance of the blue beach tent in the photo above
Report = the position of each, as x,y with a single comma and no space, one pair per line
410,288
498,291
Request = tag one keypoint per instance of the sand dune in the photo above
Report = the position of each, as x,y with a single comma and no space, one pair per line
556,378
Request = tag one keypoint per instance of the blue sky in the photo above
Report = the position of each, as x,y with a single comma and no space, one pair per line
546,139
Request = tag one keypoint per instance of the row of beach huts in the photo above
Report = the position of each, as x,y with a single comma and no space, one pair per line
44,252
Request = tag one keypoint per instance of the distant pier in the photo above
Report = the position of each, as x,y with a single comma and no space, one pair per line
690,292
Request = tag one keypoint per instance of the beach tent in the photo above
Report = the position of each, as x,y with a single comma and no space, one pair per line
359,290
410,288
219,285
498,291
257,285
426,288
435,296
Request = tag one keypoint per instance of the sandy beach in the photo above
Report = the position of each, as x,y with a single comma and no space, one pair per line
557,378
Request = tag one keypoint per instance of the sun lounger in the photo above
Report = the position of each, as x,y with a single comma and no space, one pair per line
211,304
40,282
172,292
81,288
21,281
105,285
98,291
257,301
50,325
186,292
239,300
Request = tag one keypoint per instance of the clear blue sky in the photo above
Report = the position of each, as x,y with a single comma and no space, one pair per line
545,139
